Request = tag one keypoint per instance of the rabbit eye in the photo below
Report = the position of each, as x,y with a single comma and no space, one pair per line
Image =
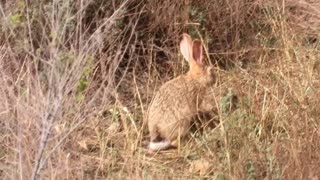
210,70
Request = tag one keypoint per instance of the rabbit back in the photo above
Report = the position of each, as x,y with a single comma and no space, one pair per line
173,107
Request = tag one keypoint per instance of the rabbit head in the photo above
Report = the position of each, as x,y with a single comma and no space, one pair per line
193,54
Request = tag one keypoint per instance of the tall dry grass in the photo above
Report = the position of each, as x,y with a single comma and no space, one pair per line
77,77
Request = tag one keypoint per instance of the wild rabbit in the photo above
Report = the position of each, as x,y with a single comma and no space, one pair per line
173,106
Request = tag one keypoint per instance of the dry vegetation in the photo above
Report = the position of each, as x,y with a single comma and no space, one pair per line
77,76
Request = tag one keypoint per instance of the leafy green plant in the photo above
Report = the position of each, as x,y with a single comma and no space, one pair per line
84,81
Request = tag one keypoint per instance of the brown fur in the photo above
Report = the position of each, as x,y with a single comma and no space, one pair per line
170,113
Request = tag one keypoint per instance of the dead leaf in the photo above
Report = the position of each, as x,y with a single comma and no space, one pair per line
200,166
113,128
83,144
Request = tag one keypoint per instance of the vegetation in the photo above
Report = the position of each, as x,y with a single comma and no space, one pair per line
77,77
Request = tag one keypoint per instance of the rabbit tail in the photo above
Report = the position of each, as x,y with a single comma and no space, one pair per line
160,145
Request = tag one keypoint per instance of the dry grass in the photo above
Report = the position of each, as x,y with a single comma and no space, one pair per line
77,76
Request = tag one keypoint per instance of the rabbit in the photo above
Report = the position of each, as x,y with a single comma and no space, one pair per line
176,102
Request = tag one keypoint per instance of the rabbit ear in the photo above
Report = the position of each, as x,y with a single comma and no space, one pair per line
197,51
186,47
